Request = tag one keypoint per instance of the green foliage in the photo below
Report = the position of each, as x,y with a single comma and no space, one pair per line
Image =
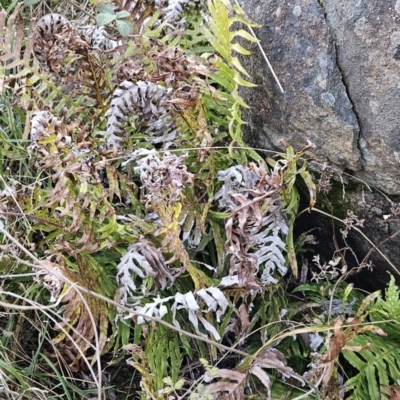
30,2
220,35
106,14
378,364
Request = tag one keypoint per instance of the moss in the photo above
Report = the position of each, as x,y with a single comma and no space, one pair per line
334,202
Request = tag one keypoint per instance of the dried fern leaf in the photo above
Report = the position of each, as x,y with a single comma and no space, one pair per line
79,321
47,46
11,39
15,52
256,229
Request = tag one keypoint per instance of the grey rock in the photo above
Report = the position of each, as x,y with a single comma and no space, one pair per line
367,34
315,104
339,64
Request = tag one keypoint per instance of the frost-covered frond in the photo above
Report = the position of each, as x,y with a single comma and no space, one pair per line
47,47
155,308
269,246
59,141
188,302
250,182
215,300
256,227
175,9
55,39
195,304
170,10
99,38
43,124
71,59
142,260
164,176
150,102
160,173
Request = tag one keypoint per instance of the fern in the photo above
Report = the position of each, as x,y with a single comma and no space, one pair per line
270,246
255,226
151,103
143,259
379,364
80,320
134,193
13,51
230,69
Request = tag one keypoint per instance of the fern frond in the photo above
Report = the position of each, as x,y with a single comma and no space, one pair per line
48,47
144,260
13,49
76,318
391,304
388,309
60,49
376,367
100,39
218,33
150,102
378,364
256,226
164,179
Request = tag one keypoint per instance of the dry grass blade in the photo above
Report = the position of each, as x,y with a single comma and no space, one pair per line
11,39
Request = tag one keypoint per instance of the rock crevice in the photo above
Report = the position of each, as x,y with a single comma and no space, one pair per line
345,84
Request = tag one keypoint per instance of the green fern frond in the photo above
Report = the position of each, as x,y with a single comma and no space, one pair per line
391,304
380,363
388,309
230,70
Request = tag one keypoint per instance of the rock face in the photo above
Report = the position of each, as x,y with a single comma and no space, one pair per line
367,33
315,104
339,64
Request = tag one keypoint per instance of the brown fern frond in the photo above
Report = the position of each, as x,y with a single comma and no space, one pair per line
11,39
92,75
256,224
80,321
14,50
52,38
142,18
63,51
